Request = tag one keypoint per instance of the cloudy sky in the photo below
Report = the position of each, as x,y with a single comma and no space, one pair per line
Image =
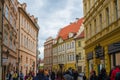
53,15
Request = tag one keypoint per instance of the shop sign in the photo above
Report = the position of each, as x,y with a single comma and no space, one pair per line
4,60
99,51
113,48
89,55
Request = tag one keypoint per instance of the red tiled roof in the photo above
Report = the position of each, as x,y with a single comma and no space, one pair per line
73,28
81,35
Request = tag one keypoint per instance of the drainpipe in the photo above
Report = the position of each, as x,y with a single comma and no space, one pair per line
19,42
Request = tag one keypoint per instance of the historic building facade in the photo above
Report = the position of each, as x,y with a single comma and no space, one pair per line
102,27
9,39
55,57
48,56
1,12
64,47
79,50
28,40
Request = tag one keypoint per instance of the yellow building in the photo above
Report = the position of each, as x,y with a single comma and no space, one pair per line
102,29
64,47
80,52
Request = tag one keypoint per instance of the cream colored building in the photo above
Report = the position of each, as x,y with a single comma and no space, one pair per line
102,29
55,57
28,37
64,47
48,57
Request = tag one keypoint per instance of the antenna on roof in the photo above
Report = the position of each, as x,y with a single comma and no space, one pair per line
76,18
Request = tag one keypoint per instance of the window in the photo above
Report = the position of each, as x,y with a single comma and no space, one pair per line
21,39
73,57
5,37
80,69
100,17
11,39
90,32
68,57
11,19
14,46
72,44
95,27
12,1
24,40
21,59
80,56
79,43
6,12
116,8
27,42
21,20
26,59
107,16
15,25
86,32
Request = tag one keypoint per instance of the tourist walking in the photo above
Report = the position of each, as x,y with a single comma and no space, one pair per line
21,76
103,75
93,76
114,72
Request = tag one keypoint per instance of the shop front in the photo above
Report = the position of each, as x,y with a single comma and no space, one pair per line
114,52
90,62
99,55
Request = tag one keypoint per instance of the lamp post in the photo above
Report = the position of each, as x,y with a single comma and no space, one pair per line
77,56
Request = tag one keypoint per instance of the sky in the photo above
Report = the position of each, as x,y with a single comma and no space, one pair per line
52,16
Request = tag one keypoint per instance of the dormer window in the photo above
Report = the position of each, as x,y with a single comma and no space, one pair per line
71,35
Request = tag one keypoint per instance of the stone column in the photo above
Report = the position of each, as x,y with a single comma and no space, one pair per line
107,60
95,63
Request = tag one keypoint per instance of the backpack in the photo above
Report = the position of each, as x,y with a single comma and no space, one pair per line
117,77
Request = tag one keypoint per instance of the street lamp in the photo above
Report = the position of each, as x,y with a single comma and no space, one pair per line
77,57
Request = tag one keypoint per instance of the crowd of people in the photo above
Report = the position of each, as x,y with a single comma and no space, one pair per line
113,75
70,74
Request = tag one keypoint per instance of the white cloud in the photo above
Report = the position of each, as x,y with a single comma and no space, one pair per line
52,17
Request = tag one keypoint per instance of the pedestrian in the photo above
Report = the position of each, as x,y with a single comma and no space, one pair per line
52,75
84,77
8,76
15,75
75,74
114,72
26,77
93,76
68,75
21,75
117,77
103,75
